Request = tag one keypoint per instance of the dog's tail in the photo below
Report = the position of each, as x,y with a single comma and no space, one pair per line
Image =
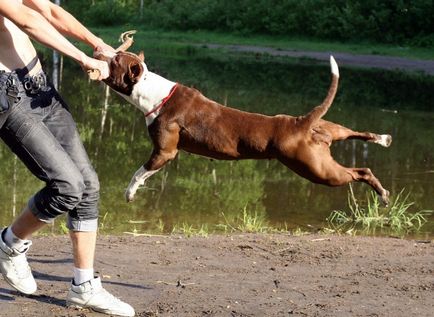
319,111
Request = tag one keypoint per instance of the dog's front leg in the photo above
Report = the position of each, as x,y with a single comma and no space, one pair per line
138,180
165,139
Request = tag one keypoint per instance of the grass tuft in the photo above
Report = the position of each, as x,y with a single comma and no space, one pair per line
190,231
372,217
247,222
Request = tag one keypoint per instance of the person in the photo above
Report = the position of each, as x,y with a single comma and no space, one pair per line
38,127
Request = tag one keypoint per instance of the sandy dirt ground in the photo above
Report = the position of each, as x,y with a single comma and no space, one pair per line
240,275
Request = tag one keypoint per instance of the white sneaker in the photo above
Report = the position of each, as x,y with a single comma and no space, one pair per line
15,269
92,295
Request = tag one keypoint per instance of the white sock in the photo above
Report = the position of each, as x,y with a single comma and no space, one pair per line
13,242
82,275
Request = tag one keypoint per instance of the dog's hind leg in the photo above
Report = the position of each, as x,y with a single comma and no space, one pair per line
338,132
338,175
317,165
365,175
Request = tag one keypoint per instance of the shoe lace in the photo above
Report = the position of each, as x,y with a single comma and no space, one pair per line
110,298
20,263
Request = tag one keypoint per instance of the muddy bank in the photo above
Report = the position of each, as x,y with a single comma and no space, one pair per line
343,59
240,275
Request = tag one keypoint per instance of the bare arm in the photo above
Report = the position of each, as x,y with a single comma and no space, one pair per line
38,28
65,23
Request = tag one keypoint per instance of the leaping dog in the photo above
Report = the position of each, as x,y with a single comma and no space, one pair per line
181,118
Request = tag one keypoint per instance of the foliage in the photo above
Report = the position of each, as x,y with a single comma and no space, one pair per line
387,21
102,12
371,217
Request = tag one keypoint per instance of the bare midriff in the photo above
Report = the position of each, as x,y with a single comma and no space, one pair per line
16,49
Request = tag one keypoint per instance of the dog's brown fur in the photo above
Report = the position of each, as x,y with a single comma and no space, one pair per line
191,122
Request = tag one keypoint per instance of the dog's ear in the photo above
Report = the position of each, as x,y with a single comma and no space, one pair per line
141,56
134,71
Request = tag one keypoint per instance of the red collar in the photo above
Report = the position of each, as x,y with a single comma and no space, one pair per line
166,99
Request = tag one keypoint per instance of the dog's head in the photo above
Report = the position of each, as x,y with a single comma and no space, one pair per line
129,77
126,69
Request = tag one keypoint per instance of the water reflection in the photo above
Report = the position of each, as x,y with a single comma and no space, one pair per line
198,191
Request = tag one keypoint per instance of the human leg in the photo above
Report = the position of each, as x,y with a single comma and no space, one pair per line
33,143
83,248
17,235
14,246
82,220
14,267
86,290
26,224
41,132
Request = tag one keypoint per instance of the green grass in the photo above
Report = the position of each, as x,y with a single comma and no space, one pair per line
247,221
371,217
244,222
189,230
177,39
367,218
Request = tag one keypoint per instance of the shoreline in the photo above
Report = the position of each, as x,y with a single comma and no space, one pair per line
344,59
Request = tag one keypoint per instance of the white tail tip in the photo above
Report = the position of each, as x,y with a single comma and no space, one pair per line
334,65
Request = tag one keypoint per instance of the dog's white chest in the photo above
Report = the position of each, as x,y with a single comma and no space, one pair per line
148,93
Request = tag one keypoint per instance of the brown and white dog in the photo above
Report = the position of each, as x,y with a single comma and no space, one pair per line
181,118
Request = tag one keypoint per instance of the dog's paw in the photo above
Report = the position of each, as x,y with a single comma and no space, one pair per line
385,198
129,195
132,188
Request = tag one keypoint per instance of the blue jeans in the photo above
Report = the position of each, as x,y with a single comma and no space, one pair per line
40,130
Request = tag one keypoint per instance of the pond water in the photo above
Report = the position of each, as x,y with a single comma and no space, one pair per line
199,193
